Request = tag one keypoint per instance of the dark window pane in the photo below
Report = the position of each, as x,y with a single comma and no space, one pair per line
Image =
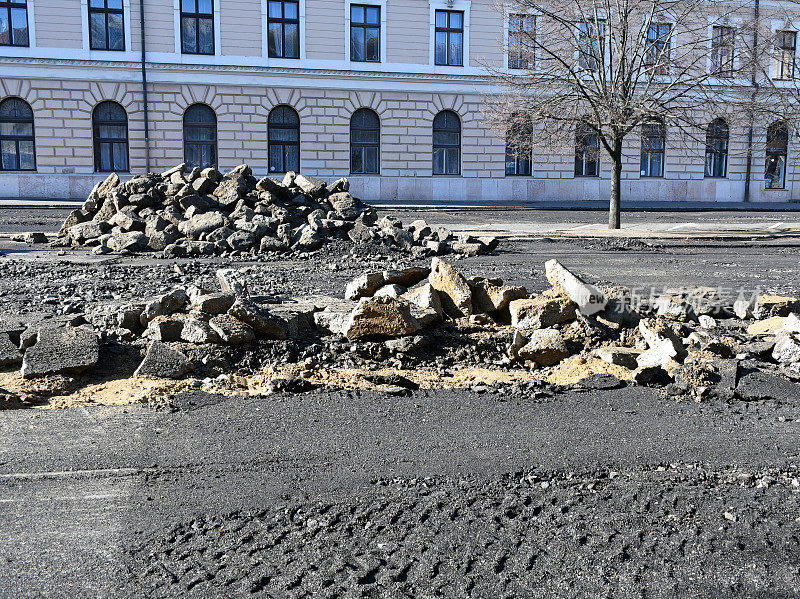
274,11
454,52
206,36
292,40
373,15
371,160
441,47
116,39
9,150
97,31
189,35
275,40
19,26
192,155
120,157
105,157
276,159
373,44
357,43
5,34
357,159
438,161
293,158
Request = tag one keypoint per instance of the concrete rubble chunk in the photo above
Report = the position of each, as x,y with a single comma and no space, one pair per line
232,282
425,297
310,185
491,297
213,303
231,330
259,319
546,347
775,305
662,342
619,356
198,331
9,352
167,304
791,324
787,349
454,290
768,326
61,350
161,361
381,317
392,290
541,312
589,298
743,309
165,328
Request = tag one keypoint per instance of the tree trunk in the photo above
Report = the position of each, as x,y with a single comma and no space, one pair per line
616,186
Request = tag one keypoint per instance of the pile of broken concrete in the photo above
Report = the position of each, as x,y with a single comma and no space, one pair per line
207,213
691,343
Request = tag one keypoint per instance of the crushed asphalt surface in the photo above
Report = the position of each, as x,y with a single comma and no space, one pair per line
453,493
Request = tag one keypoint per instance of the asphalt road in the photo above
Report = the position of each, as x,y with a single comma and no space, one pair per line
81,487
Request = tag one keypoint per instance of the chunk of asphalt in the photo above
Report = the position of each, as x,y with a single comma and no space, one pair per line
161,361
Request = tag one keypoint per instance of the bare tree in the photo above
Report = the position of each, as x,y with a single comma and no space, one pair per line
589,73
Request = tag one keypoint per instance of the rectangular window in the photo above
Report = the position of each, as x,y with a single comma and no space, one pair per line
521,32
785,50
656,53
197,26
106,28
587,153
722,51
283,28
13,23
591,49
449,38
365,33
652,159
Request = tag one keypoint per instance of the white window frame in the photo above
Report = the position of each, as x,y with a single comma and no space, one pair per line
452,5
282,62
21,51
775,27
198,58
509,10
736,25
104,54
364,65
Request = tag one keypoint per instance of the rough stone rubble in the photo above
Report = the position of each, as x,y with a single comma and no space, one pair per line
691,343
205,213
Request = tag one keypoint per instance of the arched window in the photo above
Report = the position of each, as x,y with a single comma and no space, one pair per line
653,143
717,149
16,136
284,140
777,149
200,136
365,142
587,151
518,146
110,129
446,143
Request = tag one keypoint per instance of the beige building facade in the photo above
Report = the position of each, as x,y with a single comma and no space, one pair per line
243,63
